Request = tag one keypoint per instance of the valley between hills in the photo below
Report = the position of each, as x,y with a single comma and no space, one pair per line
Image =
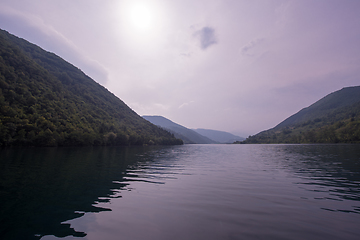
46,101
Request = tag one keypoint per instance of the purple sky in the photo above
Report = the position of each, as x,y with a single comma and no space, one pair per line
230,65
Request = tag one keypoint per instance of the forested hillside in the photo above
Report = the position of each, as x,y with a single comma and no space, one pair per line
333,119
46,101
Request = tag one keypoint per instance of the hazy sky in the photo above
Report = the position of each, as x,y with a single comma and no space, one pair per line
240,66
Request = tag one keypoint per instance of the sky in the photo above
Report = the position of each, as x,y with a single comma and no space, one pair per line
240,66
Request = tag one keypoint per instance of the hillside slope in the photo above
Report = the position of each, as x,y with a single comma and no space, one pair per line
187,135
219,136
46,101
333,119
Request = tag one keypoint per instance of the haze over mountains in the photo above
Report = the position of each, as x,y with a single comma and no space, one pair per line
46,101
333,119
201,136
219,136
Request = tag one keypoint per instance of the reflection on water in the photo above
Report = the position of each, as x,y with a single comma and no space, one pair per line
42,187
181,192
331,171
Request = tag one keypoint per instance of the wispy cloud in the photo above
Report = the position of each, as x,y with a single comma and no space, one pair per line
36,30
187,54
186,104
207,37
245,50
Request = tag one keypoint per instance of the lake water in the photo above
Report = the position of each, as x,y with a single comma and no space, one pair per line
181,192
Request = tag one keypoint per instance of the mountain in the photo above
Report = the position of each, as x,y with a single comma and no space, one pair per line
187,135
333,119
46,101
219,136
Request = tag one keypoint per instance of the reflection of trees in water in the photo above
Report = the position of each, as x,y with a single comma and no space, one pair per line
41,188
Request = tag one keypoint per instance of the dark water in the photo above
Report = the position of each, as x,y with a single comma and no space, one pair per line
181,192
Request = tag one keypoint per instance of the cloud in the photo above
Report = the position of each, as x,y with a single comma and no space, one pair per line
245,49
188,54
34,29
207,37
186,104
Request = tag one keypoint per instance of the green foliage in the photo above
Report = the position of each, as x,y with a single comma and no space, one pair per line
45,101
333,119
344,131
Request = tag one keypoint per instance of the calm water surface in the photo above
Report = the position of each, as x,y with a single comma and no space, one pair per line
181,192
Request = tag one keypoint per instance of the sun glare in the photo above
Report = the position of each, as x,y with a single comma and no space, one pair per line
141,23
141,16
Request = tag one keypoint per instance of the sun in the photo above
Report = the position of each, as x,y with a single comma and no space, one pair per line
141,16
140,22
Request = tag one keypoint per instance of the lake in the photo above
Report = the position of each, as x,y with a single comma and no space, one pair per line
181,192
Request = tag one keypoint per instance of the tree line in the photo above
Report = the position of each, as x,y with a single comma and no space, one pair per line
45,101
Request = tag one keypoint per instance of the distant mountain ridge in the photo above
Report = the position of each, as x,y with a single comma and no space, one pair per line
46,101
334,118
219,136
187,135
